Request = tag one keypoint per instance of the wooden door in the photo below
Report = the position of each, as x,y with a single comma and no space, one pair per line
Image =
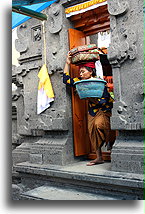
79,107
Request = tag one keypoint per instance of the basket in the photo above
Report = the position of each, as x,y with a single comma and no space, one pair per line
84,57
90,88
83,48
84,53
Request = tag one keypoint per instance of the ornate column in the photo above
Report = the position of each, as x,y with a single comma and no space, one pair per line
126,58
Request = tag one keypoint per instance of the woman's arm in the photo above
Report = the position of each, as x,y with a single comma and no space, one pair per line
67,64
66,77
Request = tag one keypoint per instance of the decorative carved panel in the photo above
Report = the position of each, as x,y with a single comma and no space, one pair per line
29,41
36,33
55,17
126,57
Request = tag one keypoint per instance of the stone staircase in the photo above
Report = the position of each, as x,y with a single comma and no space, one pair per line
77,182
62,193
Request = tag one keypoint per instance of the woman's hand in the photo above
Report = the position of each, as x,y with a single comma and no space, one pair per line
68,59
67,64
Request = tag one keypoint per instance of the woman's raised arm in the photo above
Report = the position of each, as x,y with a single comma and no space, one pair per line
67,64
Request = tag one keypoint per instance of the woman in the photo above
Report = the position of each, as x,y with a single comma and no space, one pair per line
99,110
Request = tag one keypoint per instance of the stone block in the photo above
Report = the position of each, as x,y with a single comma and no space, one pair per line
128,153
36,158
16,191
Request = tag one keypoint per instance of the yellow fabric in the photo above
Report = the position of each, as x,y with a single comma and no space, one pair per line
95,110
76,79
68,81
45,82
93,104
67,73
83,6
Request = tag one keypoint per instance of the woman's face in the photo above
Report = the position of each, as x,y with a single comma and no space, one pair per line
85,74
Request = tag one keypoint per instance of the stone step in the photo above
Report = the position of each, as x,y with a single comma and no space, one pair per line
97,180
62,193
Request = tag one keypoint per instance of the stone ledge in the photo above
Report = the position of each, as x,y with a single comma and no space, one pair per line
62,193
127,185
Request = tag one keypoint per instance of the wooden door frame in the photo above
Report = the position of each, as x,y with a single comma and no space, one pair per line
106,154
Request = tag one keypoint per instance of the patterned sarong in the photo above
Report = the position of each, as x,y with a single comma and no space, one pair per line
100,130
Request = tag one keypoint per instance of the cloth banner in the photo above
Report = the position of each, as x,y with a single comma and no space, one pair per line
99,69
45,91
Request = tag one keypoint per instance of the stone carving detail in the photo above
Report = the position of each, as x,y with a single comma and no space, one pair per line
28,34
17,76
117,7
131,115
17,139
55,18
36,33
22,31
123,44
14,112
15,96
121,110
123,48
128,116
21,43
24,125
123,54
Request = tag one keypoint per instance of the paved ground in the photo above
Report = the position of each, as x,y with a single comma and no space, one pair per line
81,167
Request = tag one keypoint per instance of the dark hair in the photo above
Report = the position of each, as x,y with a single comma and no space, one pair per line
93,70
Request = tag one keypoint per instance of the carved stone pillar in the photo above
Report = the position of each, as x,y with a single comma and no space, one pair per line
16,94
48,136
126,58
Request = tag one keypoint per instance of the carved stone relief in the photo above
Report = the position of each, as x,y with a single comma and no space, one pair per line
36,33
55,18
117,7
53,118
128,117
29,41
56,38
125,58
17,139
21,43
124,39
55,53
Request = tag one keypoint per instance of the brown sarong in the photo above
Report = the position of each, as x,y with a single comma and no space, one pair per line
100,130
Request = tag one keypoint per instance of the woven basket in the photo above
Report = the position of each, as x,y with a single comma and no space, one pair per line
84,57
82,48
85,53
90,88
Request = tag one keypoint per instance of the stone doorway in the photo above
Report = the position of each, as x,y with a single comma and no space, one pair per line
88,28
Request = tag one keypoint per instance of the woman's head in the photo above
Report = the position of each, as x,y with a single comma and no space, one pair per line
87,70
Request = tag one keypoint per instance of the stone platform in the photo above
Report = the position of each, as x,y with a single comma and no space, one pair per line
78,181
62,193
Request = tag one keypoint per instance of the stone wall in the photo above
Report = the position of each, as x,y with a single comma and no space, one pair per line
47,138
126,58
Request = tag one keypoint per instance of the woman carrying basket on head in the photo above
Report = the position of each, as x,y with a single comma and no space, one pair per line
99,110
